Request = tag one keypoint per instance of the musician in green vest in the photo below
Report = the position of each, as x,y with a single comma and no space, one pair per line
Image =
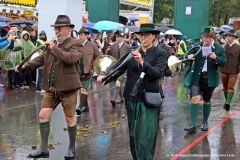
205,77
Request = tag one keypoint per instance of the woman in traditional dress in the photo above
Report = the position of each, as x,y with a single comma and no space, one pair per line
143,120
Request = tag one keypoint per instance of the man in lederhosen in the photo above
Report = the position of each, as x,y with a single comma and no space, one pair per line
61,65
117,50
231,71
89,53
205,78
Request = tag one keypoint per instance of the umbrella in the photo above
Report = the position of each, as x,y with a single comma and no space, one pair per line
4,18
238,33
88,24
225,27
20,21
173,32
123,20
31,22
162,29
105,26
3,24
119,25
133,19
92,30
133,28
218,30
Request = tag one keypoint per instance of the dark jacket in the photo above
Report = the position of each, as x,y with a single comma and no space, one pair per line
153,66
233,59
212,65
65,58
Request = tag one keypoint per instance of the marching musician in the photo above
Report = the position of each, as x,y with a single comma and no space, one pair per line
205,77
117,50
89,53
61,65
231,71
143,120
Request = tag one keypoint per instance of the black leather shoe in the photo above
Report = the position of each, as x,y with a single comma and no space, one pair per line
16,86
227,107
113,103
84,109
78,110
70,154
224,106
12,87
39,154
204,127
121,101
190,129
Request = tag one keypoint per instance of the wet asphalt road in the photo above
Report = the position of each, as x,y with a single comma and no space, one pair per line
107,141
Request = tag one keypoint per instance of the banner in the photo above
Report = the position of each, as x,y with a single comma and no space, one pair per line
142,2
22,2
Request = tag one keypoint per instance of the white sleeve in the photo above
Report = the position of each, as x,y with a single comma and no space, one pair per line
99,44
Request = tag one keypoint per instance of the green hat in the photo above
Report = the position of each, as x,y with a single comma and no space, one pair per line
231,32
208,31
148,27
119,33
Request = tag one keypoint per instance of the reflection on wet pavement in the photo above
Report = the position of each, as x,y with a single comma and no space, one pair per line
103,132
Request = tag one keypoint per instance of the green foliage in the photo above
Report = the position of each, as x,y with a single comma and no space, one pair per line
220,12
163,9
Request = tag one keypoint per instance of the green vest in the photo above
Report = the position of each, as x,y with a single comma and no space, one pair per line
180,51
52,79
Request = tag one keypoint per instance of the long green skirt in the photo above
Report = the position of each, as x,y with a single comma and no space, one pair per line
143,125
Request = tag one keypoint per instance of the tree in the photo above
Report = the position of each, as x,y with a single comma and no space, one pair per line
162,9
220,10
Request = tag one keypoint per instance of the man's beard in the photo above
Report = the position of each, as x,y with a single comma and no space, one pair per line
60,39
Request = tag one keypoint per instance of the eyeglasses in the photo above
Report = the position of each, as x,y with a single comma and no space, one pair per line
59,29
144,35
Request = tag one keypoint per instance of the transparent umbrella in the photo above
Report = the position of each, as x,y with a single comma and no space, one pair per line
173,32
